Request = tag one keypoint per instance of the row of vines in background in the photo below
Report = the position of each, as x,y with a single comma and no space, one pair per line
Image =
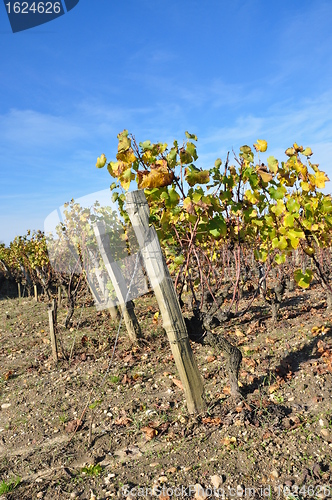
254,227
226,286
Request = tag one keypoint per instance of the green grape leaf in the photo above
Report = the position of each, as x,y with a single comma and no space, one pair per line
273,164
293,205
195,176
303,280
217,226
277,193
289,220
280,258
173,198
191,149
191,136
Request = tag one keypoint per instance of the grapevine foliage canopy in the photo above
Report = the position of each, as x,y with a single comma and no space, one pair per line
275,206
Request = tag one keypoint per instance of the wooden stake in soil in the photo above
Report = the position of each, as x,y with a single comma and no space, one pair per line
19,290
52,321
36,292
59,296
138,210
101,295
118,281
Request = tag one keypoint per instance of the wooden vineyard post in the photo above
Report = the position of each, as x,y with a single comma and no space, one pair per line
52,321
118,281
36,292
59,296
102,282
138,210
19,290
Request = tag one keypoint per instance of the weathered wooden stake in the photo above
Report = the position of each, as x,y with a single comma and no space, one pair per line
36,292
52,321
102,282
118,281
19,290
59,296
161,281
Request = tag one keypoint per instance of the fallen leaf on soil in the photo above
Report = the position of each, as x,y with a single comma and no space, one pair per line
149,432
209,359
273,388
73,425
228,440
226,390
238,332
212,421
126,379
171,470
178,383
84,340
123,421
8,375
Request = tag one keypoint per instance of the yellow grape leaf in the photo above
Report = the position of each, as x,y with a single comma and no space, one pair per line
280,243
273,164
124,141
155,317
297,147
155,178
126,178
260,145
307,152
266,176
305,186
290,152
126,156
250,196
115,168
309,251
189,206
101,160
289,220
279,208
321,178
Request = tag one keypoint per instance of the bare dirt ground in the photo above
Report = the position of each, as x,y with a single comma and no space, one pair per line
134,432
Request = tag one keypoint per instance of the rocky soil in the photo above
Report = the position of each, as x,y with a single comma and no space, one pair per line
72,430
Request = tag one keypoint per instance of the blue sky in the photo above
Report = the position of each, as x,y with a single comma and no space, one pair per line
230,72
